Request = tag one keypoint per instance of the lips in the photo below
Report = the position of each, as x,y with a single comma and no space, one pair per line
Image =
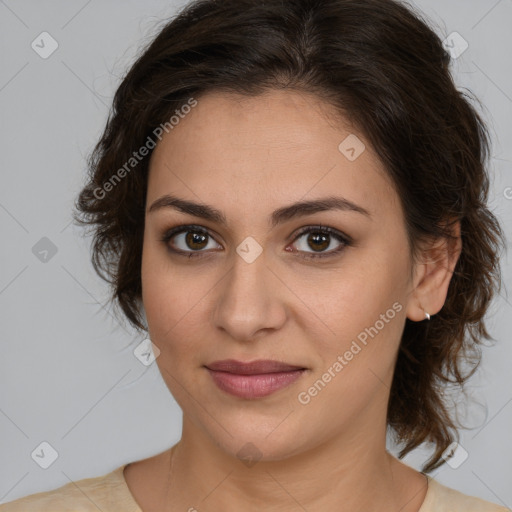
252,368
255,379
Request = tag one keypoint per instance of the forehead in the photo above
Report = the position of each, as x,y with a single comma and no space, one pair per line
279,146
276,118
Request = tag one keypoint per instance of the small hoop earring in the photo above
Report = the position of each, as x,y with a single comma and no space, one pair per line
427,316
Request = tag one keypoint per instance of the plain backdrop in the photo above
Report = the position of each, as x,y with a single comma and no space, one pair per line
69,374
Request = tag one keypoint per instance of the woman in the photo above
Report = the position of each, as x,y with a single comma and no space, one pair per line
290,198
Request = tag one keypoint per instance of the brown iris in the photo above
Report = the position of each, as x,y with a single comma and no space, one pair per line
319,237
193,239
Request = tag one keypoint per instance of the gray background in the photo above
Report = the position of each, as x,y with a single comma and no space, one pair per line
68,373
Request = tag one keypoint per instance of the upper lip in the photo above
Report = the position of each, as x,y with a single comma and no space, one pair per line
252,367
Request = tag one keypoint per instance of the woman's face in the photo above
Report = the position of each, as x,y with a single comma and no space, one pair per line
256,288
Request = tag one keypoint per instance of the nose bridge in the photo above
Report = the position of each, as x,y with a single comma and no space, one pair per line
249,266
247,302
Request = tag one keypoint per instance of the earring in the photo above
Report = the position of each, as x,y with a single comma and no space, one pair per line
427,316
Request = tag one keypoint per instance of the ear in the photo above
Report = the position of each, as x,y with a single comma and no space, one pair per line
432,275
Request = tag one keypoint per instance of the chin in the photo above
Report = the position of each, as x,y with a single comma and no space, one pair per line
253,444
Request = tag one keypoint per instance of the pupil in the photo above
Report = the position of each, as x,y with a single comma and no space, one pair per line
193,238
322,237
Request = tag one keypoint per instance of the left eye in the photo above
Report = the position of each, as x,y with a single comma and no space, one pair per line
320,239
194,239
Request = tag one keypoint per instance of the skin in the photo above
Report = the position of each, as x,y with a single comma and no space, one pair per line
247,157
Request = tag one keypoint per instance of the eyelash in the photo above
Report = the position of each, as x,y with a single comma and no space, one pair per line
345,240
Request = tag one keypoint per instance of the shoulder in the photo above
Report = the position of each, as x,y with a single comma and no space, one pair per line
440,498
107,493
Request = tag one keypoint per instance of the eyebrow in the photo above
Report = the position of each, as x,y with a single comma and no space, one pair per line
279,216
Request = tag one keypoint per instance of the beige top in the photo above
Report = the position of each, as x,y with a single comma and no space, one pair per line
109,493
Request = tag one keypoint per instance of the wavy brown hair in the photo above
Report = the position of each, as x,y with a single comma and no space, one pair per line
381,66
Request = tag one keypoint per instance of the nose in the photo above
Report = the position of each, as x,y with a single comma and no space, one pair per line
251,300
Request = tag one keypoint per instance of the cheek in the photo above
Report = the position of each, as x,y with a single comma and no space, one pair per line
355,365
160,290
164,289
172,308
175,300
355,294
363,305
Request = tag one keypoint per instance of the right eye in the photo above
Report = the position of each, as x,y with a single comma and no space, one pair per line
188,240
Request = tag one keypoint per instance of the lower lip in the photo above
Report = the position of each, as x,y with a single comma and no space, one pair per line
254,386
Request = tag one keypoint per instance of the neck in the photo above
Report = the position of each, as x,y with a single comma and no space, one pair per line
343,473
